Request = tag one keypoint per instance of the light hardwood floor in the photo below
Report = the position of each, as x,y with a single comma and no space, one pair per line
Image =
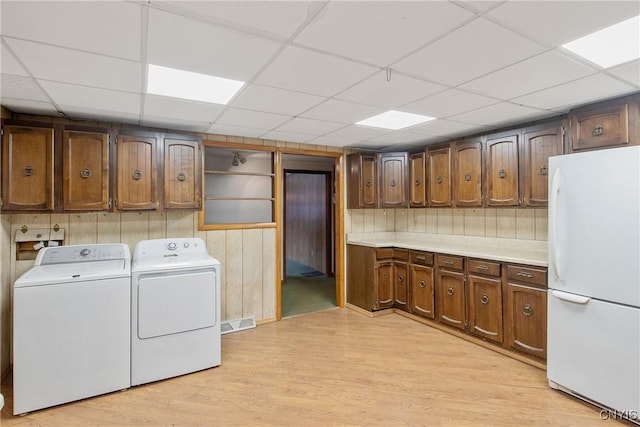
336,367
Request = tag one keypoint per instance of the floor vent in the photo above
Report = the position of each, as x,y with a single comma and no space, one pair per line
237,325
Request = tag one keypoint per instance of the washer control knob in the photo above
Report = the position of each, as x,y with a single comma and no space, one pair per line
85,252
186,244
172,246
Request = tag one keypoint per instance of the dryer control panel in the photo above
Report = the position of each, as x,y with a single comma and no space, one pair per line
166,248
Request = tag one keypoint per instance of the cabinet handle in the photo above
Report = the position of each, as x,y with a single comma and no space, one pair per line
597,130
393,183
502,173
28,170
448,262
467,177
417,182
368,183
400,278
421,257
527,310
181,177
422,283
439,179
136,175
484,299
544,170
481,267
85,173
525,274
450,291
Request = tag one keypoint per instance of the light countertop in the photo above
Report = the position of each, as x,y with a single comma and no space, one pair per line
530,252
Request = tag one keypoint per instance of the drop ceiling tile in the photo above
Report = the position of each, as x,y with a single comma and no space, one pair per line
251,119
10,64
204,48
73,112
221,129
534,74
448,103
175,123
357,133
399,90
281,18
480,6
161,106
21,87
446,127
309,126
500,114
629,71
394,138
287,136
72,66
335,110
559,22
314,73
30,107
580,91
469,52
273,100
332,141
380,32
105,27
80,97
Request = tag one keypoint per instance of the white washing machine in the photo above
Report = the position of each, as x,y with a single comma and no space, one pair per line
175,307
71,320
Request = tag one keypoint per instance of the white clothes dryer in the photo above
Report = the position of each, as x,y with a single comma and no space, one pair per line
175,323
71,326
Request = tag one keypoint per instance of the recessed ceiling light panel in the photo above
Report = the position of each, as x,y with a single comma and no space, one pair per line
610,46
394,120
189,85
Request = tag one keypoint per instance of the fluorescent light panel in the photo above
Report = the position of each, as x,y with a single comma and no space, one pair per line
189,85
394,120
610,46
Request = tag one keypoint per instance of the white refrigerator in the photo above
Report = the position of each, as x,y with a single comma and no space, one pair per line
593,331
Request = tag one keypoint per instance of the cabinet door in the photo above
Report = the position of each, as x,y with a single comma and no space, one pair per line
502,171
422,291
362,187
137,172
467,178
27,168
393,189
182,174
417,184
383,285
485,307
526,317
85,171
451,299
401,286
600,125
439,177
538,146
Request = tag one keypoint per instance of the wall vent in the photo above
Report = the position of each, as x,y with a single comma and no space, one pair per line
237,325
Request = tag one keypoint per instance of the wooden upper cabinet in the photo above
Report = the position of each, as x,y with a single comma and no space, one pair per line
85,171
439,176
467,175
502,170
538,144
605,124
137,175
417,184
393,188
362,185
182,173
27,168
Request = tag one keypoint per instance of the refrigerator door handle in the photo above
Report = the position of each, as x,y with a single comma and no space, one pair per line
576,299
555,189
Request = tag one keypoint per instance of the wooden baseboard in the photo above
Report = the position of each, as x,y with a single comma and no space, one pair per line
495,347
264,321
369,313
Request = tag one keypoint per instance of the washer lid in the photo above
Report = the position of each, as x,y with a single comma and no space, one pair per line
73,272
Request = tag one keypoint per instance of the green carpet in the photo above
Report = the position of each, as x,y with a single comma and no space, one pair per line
307,294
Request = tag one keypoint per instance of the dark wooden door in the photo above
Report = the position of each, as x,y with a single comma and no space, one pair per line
485,307
85,171
383,285
467,177
401,285
137,175
527,319
539,144
182,173
439,177
502,170
451,299
417,184
393,189
422,291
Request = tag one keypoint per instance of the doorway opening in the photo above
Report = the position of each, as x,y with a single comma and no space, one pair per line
308,282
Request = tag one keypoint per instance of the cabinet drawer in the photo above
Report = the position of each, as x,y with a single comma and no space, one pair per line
484,267
534,276
601,126
450,262
421,258
384,253
401,254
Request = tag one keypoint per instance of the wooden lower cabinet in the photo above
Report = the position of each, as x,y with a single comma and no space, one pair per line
526,317
383,285
422,291
401,285
485,307
451,299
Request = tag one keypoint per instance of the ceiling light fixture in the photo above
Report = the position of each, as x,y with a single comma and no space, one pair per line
394,120
610,46
188,85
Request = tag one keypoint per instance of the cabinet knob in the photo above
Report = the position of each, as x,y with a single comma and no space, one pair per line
597,130
467,177
502,173
450,291
28,170
439,179
85,173
484,299
422,283
136,175
544,170
527,310
368,183
393,183
417,182
400,278
181,177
